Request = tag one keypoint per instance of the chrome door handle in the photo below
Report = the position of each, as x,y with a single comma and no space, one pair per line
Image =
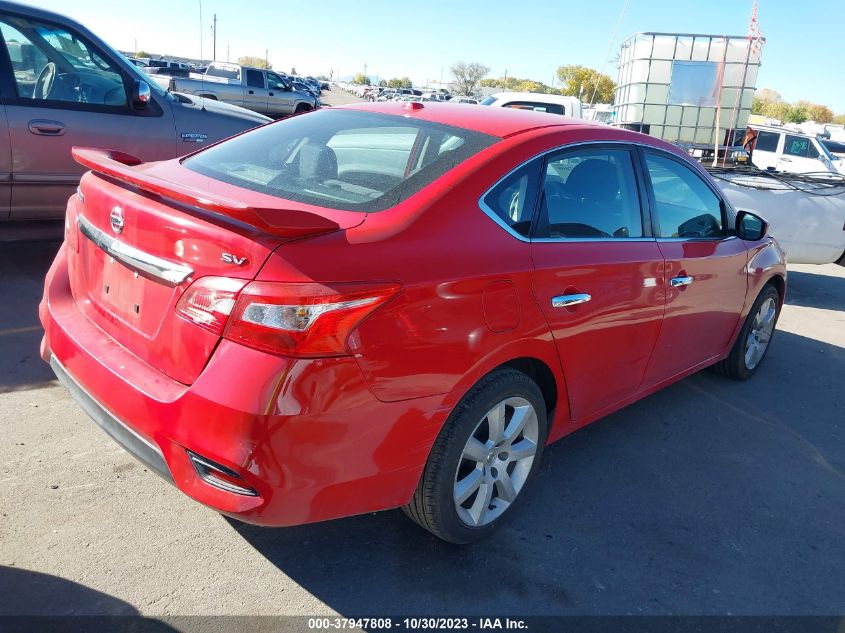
564,301
45,127
680,281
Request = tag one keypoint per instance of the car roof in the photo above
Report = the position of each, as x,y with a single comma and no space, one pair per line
500,122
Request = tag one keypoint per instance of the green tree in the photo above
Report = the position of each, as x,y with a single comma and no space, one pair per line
467,76
383,83
394,83
839,119
587,84
776,110
406,82
796,113
819,113
252,60
142,54
362,79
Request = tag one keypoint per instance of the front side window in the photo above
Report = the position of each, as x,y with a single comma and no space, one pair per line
355,161
52,64
686,206
799,146
767,142
591,193
274,82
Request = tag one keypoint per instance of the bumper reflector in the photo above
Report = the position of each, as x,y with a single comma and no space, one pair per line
219,476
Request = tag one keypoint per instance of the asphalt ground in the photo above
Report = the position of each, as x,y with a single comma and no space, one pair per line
710,497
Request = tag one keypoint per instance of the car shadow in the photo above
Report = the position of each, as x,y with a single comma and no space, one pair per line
23,266
816,291
36,601
709,497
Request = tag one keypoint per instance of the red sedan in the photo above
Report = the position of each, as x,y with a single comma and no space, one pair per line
395,305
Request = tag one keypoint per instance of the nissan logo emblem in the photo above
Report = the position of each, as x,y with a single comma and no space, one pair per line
116,219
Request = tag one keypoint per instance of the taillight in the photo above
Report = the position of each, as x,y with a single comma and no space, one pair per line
209,301
303,319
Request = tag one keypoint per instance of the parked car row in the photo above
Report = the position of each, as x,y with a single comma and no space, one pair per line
264,91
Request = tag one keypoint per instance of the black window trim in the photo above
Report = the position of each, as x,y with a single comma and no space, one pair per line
724,205
9,90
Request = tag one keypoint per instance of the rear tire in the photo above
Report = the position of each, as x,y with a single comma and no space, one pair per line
488,450
754,338
302,107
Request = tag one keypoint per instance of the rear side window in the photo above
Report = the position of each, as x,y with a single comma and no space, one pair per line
512,200
254,78
767,142
553,108
591,193
340,159
686,206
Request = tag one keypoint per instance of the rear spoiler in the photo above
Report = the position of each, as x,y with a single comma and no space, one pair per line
275,221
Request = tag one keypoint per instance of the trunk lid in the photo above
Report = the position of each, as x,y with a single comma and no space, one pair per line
146,232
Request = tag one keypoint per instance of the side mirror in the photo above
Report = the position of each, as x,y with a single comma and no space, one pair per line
141,95
751,227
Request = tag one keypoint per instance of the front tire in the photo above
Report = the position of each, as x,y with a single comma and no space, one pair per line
754,338
486,453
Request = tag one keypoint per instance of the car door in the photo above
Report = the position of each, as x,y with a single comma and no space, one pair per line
800,156
597,273
256,91
279,98
60,90
5,164
705,277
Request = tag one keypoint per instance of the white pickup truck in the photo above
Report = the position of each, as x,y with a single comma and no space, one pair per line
256,89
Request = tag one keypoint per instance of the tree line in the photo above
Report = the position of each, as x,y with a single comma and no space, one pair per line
769,103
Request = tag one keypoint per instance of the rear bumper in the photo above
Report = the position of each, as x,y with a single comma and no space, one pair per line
144,451
307,436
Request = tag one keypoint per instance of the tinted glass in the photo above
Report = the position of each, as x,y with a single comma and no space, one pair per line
686,206
591,193
512,200
553,108
224,71
767,141
356,161
51,64
254,78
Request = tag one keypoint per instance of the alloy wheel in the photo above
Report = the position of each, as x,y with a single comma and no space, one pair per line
760,334
496,461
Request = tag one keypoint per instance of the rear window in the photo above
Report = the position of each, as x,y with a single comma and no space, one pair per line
354,161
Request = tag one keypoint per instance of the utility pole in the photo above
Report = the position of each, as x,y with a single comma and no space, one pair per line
214,38
227,52
365,72
266,54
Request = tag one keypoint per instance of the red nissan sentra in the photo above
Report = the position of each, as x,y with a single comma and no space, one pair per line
395,305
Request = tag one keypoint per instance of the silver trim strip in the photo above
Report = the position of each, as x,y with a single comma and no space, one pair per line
566,301
136,259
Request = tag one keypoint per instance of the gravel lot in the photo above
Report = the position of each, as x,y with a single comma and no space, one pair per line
711,497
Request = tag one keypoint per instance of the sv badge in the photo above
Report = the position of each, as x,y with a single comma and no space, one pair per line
233,259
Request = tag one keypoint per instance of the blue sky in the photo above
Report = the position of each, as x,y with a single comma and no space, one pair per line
803,57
